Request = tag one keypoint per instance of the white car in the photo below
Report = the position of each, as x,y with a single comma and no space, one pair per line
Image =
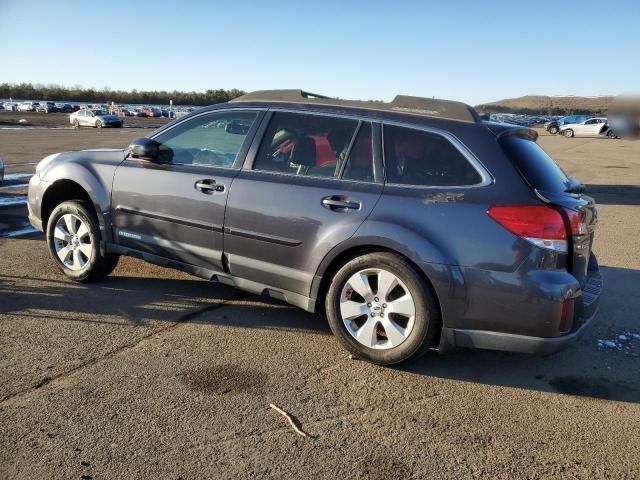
593,127
94,118
28,106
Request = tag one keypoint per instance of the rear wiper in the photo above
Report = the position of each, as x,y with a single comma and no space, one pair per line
577,188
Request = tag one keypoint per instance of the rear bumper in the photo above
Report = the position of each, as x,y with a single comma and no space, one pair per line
510,342
585,309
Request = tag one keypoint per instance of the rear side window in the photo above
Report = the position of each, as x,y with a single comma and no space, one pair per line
415,157
538,168
314,145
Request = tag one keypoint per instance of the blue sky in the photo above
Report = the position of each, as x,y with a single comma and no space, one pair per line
474,51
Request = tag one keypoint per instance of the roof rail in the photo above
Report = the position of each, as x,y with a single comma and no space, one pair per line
429,107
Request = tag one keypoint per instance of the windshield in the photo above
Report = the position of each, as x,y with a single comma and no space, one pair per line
99,112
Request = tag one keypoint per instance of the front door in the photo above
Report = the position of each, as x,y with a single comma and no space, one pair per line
312,184
174,208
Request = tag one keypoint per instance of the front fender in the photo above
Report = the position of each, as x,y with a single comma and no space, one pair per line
93,171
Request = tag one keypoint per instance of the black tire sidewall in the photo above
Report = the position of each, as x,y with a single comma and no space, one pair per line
81,211
424,323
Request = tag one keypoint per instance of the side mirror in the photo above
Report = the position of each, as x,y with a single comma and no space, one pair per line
144,149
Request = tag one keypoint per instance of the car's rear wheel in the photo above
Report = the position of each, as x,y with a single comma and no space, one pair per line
76,124
73,237
98,124
381,310
553,130
568,133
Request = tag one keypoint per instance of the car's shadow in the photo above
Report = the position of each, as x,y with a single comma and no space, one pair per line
614,194
584,369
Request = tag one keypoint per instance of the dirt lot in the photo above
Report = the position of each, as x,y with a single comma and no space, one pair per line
155,374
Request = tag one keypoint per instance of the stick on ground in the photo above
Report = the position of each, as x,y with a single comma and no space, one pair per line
288,417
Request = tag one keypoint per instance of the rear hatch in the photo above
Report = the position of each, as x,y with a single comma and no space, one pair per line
554,187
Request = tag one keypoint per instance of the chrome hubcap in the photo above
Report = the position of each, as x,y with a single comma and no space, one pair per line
377,308
72,242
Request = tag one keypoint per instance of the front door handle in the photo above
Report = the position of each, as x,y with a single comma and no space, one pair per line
209,186
340,203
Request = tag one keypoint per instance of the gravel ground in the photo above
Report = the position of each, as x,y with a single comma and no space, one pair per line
155,374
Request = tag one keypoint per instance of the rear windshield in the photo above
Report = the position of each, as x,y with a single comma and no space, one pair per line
538,168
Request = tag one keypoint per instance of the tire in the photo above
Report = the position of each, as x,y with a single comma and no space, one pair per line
553,130
386,337
610,134
568,133
98,124
74,249
76,124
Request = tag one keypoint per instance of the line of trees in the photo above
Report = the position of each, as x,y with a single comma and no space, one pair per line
29,91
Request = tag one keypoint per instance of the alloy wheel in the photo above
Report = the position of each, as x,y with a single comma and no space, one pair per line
72,242
377,308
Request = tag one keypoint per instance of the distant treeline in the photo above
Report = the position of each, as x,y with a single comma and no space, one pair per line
28,91
539,111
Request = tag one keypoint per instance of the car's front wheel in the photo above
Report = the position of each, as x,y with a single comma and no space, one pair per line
73,237
381,309
568,133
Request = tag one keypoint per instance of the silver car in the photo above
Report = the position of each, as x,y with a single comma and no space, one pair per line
94,118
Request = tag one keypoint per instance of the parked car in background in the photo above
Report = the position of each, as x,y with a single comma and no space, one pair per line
28,106
553,126
48,107
66,108
140,112
592,127
94,118
10,107
412,225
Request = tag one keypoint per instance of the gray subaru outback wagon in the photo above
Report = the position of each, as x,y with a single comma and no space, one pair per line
411,224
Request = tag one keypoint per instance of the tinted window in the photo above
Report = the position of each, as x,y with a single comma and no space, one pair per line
535,165
315,145
212,140
359,165
414,157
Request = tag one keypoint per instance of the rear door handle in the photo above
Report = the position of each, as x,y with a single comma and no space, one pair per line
340,203
209,186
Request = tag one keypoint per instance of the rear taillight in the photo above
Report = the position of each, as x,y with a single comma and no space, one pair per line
576,222
539,224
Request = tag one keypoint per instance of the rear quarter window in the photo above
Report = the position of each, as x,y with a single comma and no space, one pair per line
537,168
418,158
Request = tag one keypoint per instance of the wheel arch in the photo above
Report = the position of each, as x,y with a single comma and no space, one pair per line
432,274
64,190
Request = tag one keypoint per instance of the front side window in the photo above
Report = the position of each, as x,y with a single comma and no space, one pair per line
415,157
314,145
211,140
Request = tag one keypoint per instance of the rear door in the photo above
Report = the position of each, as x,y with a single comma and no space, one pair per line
306,187
174,208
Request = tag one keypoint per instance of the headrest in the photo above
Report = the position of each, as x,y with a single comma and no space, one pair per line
304,152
